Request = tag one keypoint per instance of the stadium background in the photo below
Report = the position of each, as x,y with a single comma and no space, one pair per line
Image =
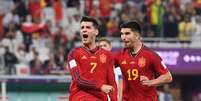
36,36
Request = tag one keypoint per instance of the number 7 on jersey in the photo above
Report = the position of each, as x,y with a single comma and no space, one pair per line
93,66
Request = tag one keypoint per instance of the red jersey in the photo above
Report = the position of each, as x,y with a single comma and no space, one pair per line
90,69
146,62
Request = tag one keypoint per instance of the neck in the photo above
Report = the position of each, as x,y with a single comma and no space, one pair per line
90,46
136,47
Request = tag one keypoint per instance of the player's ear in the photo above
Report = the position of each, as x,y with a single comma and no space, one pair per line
138,36
96,32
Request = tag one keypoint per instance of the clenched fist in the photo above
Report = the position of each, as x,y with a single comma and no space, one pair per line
106,88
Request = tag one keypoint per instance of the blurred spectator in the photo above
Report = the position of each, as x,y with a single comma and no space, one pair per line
118,4
88,5
2,62
103,27
58,10
49,65
170,27
36,65
112,27
134,12
196,37
11,17
72,3
12,38
59,58
72,29
6,6
21,9
186,29
10,61
35,9
59,39
105,8
170,22
157,11
47,40
197,5
94,11
21,54
39,43
147,30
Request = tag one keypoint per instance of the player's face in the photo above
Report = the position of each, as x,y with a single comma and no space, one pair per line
105,45
88,32
129,37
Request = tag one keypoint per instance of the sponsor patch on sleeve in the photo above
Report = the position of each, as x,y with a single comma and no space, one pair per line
72,63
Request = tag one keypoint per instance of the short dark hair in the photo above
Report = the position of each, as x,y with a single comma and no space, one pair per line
90,19
133,25
105,40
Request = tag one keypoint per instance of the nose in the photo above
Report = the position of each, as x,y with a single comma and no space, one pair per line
83,30
123,37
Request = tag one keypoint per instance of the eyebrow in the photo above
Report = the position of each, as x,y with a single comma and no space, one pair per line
85,26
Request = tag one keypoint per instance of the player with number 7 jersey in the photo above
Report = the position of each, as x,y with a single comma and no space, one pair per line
90,69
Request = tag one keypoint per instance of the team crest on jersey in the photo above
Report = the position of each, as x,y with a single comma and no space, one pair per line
124,62
83,57
141,62
103,58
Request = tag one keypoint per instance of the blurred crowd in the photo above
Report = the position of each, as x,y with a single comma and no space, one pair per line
38,34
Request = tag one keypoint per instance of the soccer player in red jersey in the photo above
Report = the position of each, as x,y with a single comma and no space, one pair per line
141,67
91,67
106,44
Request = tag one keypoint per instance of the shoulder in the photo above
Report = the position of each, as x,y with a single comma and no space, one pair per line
108,53
76,50
150,52
121,51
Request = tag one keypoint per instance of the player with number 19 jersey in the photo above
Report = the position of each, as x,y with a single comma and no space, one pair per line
90,69
145,62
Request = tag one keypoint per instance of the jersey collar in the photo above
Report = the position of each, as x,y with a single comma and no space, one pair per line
132,53
91,50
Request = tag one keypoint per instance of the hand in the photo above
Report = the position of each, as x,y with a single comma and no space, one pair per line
106,88
145,81
143,78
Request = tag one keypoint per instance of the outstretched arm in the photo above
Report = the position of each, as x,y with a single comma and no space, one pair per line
162,79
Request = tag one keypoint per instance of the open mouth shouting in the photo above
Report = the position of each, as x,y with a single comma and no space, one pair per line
85,36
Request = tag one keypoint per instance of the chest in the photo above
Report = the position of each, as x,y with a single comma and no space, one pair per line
133,67
93,63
